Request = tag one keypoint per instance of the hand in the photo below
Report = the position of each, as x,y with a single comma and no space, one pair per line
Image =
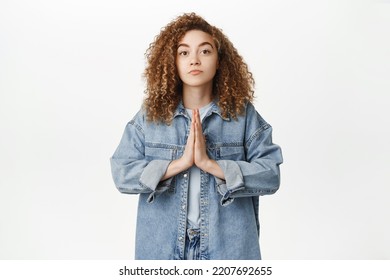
187,159
200,155
194,153
201,159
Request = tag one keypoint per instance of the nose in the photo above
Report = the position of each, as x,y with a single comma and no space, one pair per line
194,60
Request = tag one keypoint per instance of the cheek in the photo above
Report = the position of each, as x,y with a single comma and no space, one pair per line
179,66
214,65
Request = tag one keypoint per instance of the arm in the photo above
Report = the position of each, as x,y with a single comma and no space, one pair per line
186,161
259,174
131,172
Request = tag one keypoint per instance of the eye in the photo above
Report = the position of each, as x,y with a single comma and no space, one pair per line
183,53
205,51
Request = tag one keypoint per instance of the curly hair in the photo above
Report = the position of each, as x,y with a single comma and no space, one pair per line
233,83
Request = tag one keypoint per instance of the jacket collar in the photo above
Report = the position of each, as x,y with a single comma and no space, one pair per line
181,111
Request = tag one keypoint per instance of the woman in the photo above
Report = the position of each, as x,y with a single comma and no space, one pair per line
197,152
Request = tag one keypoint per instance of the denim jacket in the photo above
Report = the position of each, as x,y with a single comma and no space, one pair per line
229,222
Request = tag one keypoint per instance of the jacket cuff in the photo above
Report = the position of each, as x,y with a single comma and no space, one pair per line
233,182
151,178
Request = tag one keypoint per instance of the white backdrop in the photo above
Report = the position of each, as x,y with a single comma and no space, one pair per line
70,79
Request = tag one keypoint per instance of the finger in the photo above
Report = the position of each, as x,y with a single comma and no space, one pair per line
199,137
198,116
198,131
193,116
197,120
191,136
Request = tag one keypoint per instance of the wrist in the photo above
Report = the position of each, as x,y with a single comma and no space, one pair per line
211,166
205,165
184,163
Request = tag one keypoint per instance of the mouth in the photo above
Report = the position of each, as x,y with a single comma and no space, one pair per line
195,72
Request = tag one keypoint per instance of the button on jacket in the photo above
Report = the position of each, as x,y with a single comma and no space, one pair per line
229,222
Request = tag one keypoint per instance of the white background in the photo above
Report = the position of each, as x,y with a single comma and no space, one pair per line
70,79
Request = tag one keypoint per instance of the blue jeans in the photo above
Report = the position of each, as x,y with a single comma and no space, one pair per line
192,244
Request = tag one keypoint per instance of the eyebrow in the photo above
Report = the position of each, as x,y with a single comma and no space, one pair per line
200,45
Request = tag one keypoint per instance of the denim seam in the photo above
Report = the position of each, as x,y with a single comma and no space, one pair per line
137,126
257,133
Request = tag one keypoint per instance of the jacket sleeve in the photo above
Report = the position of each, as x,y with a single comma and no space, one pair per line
259,174
131,171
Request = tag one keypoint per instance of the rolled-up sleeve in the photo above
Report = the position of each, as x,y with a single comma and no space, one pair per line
131,172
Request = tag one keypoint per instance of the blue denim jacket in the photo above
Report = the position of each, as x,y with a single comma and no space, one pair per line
229,227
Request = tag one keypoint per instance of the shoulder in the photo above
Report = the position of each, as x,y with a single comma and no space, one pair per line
140,116
253,114
138,120
250,109
254,122
141,122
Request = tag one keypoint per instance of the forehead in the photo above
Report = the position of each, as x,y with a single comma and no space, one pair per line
196,37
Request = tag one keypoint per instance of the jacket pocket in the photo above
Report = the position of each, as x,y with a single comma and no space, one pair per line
232,152
155,152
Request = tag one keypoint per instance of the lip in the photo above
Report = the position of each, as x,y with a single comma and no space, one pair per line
195,72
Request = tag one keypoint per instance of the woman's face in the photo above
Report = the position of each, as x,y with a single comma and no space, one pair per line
197,59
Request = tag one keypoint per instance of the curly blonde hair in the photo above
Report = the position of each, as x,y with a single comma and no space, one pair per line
233,84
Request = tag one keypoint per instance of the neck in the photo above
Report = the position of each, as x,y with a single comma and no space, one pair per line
196,97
